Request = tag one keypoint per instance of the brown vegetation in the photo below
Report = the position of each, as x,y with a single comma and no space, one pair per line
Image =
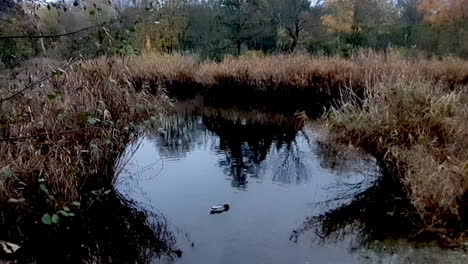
66,131
62,132
322,72
273,73
285,83
420,130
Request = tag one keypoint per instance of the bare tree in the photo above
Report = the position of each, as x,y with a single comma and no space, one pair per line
292,15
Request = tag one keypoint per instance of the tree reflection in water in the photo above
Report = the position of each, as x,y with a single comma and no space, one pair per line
245,141
257,145
376,208
373,208
244,146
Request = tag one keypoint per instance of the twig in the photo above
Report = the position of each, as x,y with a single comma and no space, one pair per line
49,36
24,89
33,84
46,134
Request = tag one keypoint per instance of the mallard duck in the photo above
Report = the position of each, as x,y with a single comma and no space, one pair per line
219,208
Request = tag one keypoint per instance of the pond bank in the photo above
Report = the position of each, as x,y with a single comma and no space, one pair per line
275,172
63,130
411,115
286,83
62,133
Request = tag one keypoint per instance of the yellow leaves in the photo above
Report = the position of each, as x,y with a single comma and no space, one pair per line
342,23
342,19
148,43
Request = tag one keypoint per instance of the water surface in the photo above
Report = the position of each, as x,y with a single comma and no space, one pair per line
271,170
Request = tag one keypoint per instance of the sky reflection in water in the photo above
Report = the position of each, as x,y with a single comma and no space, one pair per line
271,171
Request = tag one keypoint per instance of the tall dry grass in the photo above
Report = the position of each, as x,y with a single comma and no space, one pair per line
65,132
285,82
324,75
420,128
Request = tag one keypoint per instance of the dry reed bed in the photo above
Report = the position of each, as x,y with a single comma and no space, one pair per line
284,82
270,73
66,133
420,129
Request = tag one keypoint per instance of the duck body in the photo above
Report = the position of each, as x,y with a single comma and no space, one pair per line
219,208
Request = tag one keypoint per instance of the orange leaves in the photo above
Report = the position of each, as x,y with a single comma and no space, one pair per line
440,12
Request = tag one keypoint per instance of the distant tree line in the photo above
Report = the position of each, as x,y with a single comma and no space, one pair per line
215,28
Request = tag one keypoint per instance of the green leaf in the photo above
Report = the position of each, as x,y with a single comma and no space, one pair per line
66,208
92,120
43,188
62,212
92,12
55,219
6,173
16,201
71,214
132,29
76,203
58,72
52,96
46,219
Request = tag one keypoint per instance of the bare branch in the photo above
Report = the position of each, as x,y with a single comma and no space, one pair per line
49,36
31,85
46,134
26,87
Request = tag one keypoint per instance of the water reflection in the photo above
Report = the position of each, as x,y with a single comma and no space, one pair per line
278,174
267,167
243,142
107,229
179,135
374,209
244,146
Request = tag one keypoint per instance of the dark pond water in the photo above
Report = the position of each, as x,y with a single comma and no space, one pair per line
272,171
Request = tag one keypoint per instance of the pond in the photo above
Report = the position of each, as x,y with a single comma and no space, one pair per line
273,171
270,170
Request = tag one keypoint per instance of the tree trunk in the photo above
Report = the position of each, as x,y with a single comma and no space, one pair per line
238,46
295,36
293,44
41,47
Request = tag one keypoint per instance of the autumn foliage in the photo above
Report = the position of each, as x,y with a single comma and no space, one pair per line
442,12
